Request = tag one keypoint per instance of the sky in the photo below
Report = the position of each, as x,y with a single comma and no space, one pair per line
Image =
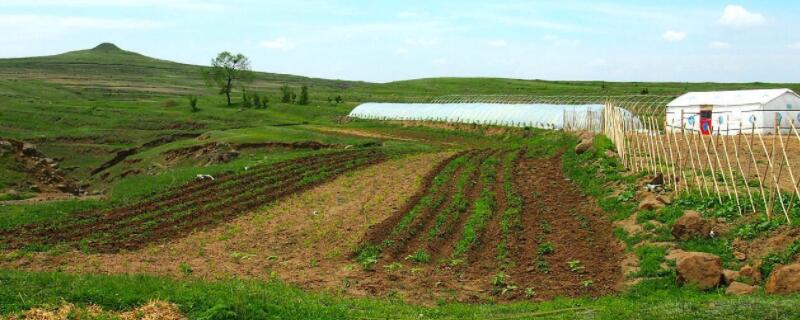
381,41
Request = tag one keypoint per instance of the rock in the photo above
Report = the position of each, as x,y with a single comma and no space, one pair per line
610,154
700,269
739,256
584,146
663,198
784,279
749,272
29,149
675,254
650,202
658,180
5,145
690,225
740,288
729,276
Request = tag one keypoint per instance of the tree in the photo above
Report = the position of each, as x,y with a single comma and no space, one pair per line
286,94
338,99
193,103
226,69
264,102
303,95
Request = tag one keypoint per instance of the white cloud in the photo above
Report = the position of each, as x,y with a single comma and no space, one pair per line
674,36
32,21
795,45
497,43
279,44
719,45
401,51
739,17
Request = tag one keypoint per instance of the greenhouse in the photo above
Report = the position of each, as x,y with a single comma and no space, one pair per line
518,115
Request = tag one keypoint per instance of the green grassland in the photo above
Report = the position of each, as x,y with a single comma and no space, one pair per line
84,106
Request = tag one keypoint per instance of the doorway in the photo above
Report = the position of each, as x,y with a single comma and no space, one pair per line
706,127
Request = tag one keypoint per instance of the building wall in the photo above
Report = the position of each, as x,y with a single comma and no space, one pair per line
748,116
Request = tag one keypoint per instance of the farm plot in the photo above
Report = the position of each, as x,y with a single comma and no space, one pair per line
496,221
195,205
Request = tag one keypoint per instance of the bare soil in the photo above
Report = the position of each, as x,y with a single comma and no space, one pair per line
309,239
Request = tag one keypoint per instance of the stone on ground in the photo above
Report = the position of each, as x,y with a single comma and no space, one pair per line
740,288
703,270
650,202
784,279
690,225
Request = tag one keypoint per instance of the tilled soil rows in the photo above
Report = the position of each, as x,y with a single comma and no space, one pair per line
495,222
196,205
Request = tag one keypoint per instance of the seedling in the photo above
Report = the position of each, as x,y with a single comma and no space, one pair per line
542,266
392,267
546,248
575,266
587,284
420,256
529,292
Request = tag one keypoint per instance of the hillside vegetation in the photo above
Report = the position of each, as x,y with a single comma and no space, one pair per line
293,210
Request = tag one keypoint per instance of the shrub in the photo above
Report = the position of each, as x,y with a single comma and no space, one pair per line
303,95
193,103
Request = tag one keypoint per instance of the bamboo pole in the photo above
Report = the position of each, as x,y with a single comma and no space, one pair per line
691,158
680,164
758,174
786,160
791,202
700,162
775,180
671,158
719,162
711,165
739,165
730,170
663,154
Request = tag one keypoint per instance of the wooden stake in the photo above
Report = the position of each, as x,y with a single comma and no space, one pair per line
758,174
711,165
739,165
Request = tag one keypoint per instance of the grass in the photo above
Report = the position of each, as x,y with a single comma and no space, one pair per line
650,260
114,100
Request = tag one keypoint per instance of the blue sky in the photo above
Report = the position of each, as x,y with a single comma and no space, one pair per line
385,41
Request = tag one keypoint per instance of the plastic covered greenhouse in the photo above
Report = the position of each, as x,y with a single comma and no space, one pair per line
519,115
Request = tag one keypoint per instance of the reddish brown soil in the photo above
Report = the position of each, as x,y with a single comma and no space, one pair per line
549,196
578,231
196,205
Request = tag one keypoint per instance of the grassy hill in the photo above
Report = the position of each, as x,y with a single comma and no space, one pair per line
85,108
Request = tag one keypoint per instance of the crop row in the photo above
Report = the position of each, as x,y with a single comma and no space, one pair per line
482,210
511,219
145,222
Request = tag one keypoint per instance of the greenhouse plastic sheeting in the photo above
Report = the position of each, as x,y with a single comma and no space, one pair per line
521,115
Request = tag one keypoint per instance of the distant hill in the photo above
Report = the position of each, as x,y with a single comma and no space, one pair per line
108,72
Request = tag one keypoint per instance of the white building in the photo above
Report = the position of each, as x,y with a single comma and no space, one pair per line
725,112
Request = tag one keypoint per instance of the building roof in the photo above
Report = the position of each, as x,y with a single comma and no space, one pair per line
729,98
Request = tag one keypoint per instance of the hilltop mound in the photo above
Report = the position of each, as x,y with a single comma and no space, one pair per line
106,46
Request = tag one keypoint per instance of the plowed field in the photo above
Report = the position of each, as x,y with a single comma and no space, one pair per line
501,223
195,205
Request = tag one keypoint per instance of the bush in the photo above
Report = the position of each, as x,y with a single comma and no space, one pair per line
193,103
286,94
303,95
256,101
